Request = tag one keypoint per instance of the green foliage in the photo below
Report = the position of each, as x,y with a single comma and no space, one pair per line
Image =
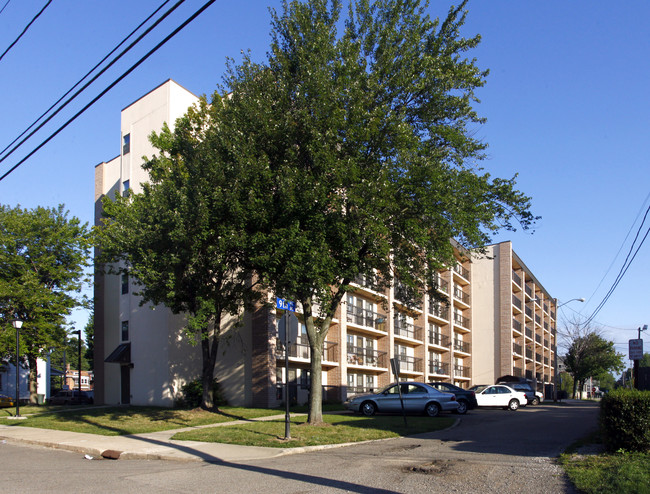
192,393
357,149
627,473
590,356
43,254
89,354
625,420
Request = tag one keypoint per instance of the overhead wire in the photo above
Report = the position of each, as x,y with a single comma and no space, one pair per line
25,29
111,85
4,6
626,265
94,78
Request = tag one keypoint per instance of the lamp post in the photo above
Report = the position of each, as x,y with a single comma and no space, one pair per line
555,377
17,324
79,362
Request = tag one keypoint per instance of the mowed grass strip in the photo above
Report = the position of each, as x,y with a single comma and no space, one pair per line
619,473
116,421
337,429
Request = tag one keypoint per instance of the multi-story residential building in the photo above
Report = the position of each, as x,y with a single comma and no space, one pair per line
143,358
515,320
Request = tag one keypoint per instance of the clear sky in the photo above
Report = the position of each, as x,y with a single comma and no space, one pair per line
566,106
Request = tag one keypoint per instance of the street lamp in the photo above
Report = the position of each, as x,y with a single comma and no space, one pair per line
17,324
580,299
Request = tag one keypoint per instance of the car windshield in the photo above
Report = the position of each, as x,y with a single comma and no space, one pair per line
478,388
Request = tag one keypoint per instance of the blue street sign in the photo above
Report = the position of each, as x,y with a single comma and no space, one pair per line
283,304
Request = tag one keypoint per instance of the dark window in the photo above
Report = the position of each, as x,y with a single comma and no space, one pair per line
126,186
126,144
125,283
125,330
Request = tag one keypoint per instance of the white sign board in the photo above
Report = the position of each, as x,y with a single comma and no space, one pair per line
636,349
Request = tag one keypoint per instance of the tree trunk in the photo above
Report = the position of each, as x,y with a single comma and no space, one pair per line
315,416
209,349
33,376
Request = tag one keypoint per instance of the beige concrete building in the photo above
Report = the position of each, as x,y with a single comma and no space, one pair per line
143,358
514,318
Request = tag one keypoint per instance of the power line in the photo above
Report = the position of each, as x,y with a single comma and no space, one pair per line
110,86
624,268
110,64
4,6
26,27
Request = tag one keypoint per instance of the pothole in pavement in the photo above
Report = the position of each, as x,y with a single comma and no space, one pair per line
435,467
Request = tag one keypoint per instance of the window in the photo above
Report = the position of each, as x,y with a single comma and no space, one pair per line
126,144
126,186
125,283
125,330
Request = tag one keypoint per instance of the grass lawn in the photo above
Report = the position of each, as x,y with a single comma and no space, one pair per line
343,428
618,473
115,421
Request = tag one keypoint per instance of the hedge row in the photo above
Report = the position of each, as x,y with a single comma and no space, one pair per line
625,420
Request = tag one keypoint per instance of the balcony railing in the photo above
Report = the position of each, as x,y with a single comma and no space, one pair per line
516,302
409,364
529,332
438,339
440,284
529,312
545,307
538,319
461,295
461,371
367,281
545,360
461,346
516,325
461,321
517,372
438,368
408,330
367,318
538,338
516,348
529,291
538,357
529,353
357,390
438,310
529,374
366,357
461,271
545,342
516,278
302,350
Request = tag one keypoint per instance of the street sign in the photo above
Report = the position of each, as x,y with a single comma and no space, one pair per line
283,304
292,337
636,349
394,363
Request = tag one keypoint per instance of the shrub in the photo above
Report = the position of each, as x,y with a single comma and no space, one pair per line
192,394
625,420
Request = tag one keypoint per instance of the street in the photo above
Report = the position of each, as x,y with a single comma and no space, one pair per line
488,451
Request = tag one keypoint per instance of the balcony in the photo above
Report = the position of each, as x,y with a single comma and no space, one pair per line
438,310
367,281
409,364
358,390
460,270
517,372
529,333
366,318
545,342
529,353
303,352
516,278
529,291
461,346
516,325
545,360
438,368
440,284
438,339
462,371
366,357
461,321
461,296
408,330
538,339
516,301
538,357
517,349
529,312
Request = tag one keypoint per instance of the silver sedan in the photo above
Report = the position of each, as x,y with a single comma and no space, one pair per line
417,397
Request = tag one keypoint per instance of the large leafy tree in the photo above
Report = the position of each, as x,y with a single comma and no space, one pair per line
355,143
43,254
590,355
181,239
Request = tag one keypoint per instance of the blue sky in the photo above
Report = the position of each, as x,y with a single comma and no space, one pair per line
566,106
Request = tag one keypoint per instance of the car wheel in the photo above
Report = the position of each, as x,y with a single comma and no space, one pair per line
462,407
535,401
368,408
432,409
513,405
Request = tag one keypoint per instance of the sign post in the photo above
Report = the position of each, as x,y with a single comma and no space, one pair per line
636,354
394,363
288,331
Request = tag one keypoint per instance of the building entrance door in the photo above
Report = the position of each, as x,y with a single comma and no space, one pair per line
125,384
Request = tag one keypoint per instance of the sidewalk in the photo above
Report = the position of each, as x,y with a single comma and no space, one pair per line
149,446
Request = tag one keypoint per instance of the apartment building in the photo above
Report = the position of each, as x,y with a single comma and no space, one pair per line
142,356
515,320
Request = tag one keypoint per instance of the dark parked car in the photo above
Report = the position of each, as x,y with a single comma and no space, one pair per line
70,397
466,398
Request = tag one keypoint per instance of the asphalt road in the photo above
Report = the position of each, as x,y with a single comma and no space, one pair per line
488,451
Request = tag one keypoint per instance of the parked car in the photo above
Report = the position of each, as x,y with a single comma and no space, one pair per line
418,398
466,398
532,397
499,395
6,401
70,397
